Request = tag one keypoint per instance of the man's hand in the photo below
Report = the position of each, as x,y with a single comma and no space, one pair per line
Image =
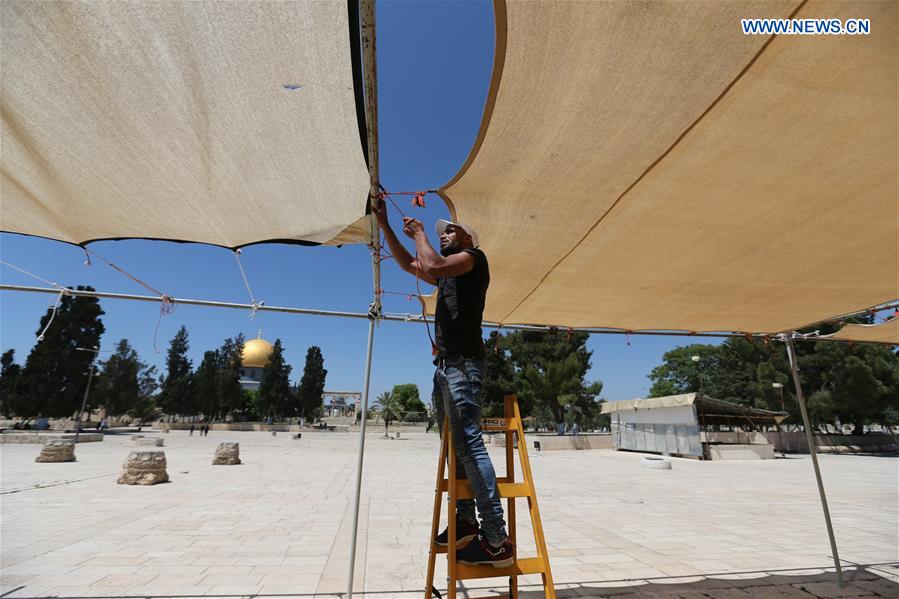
381,214
412,227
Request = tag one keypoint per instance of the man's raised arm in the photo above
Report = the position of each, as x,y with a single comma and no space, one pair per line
400,254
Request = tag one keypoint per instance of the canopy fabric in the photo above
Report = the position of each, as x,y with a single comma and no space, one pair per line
886,332
711,410
647,166
668,401
227,123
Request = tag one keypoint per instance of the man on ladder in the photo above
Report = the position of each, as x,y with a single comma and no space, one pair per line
461,274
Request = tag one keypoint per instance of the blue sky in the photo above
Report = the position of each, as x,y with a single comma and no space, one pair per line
435,60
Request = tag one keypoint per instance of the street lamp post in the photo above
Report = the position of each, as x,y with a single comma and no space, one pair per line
90,375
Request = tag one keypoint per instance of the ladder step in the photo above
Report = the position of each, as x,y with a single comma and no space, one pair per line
499,424
528,565
463,489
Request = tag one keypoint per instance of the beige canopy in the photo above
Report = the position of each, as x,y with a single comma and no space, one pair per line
710,409
649,166
887,332
219,122
668,401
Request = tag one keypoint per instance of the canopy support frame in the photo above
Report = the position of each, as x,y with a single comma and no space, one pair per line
812,449
412,318
370,77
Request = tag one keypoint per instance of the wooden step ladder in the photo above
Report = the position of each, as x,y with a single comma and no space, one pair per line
509,489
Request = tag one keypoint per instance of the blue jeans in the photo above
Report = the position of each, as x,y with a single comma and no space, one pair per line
457,393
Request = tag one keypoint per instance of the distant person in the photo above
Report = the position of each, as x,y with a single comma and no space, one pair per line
461,274
191,433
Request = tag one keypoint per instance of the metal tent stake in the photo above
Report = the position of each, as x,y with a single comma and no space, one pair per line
812,449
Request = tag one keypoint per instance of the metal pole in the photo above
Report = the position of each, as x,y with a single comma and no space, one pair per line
812,449
90,376
371,337
370,75
412,318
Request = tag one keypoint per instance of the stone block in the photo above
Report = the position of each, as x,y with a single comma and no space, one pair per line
57,451
144,468
656,463
148,441
227,454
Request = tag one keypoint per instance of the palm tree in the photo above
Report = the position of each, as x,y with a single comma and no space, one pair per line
389,408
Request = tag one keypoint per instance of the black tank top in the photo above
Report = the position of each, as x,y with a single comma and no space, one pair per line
460,309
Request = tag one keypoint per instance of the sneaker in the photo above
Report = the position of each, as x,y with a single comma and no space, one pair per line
465,532
482,553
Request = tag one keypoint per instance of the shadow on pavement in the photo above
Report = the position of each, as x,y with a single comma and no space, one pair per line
861,581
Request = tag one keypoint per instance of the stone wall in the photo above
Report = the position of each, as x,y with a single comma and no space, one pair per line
40,438
558,442
795,442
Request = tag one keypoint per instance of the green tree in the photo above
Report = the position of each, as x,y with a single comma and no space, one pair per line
550,364
206,386
9,381
389,409
249,410
680,374
863,380
499,377
117,387
411,406
231,394
175,396
147,384
312,384
274,388
54,377
821,408
855,383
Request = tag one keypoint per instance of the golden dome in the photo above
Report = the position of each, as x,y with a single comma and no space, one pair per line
256,353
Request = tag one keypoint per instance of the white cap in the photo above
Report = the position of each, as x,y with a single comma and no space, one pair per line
442,224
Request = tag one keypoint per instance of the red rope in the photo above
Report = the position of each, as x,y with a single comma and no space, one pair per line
418,199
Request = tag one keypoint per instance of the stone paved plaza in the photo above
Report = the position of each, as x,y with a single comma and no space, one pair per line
279,524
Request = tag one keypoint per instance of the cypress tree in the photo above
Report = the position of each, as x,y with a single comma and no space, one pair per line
230,392
53,380
206,386
117,388
309,394
175,395
274,388
9,381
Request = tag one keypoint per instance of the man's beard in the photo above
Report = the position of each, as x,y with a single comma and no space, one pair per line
449,249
